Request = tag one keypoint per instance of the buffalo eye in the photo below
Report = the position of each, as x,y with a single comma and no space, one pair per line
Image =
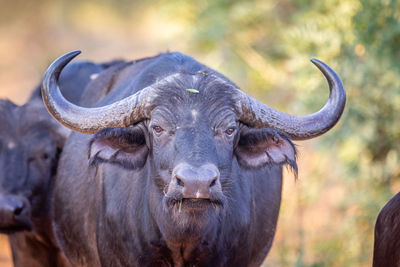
157,130
230,131
45,156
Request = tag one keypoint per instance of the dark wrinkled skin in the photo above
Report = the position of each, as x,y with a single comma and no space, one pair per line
115,202
387,235
30,144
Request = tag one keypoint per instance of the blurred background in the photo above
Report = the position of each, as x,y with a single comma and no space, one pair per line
345,177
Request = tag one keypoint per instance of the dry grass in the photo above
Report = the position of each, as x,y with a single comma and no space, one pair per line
5,252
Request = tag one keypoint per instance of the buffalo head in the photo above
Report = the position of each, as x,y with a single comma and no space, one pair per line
30,143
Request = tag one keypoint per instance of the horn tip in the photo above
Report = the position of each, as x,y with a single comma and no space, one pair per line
76,52
72,54
69,56
60,62
317,62
54,70
323,67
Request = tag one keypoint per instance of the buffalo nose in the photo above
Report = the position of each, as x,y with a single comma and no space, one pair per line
197,182
10,207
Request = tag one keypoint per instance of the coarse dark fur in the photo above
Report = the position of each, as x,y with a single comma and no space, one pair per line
387,235
30,144
123,206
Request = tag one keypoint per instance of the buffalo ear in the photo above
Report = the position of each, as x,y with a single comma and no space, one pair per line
123,146
259,147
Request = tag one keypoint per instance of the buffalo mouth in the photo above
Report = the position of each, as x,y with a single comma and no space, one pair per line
14,229
15,214
19,226
194,204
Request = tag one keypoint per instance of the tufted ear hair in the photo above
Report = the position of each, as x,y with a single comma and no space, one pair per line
122,146
259,147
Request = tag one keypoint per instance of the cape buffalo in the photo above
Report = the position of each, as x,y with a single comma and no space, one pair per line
387,235
30,145
174,166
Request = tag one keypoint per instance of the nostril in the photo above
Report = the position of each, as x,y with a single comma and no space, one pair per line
213,182
179,181
18,209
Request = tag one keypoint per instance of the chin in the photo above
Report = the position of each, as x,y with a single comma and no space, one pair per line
12,229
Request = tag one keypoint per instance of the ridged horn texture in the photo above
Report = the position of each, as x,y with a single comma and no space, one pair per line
89,120
256,114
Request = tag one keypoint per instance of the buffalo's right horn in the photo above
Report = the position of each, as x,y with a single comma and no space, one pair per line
89,120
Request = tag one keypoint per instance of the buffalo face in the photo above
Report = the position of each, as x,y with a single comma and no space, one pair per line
29,147
194,144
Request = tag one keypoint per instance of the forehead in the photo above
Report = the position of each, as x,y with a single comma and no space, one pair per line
19,121
8,119
201,94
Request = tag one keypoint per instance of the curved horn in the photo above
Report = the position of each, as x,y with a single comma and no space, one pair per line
89,120
257,114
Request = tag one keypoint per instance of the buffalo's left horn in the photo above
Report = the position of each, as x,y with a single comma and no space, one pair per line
89,120
256,114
